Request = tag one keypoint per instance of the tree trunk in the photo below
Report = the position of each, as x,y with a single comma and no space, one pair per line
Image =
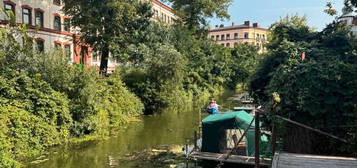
104,61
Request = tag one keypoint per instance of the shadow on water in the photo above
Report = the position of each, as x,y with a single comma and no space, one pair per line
166,129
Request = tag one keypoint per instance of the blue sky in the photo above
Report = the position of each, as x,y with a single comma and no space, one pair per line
266,12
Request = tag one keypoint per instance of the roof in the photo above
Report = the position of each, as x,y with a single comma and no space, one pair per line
162,5
352,14
243,26
241,117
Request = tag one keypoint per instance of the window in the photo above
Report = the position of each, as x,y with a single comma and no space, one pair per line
222,37
57,2
235,44
228,45
58,46
67,51
156,13
217,37
39,18
40,45
228,37
212,37
9,8
257,37
246,35
67,25
57,23
263,38
235,36
26,16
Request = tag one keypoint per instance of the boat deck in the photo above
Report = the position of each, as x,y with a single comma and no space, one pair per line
232,159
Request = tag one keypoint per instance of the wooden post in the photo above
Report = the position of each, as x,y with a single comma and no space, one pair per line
195,143
257,139
273,139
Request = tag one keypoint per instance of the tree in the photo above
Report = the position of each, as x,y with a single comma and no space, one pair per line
286,34
319,91
109,25
195,13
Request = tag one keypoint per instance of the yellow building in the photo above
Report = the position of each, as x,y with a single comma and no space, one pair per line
229,36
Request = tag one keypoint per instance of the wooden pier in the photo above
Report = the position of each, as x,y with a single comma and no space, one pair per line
291,160
236,159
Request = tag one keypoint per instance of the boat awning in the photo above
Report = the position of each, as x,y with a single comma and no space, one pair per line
214,126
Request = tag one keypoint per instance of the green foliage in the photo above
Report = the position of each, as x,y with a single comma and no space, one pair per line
319,91
245,60
45,101
171,65
150,83
288,39
195,13
122,23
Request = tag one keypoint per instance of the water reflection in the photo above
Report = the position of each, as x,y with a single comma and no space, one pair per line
165,129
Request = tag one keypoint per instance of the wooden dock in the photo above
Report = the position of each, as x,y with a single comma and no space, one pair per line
236,159
291,160
244,108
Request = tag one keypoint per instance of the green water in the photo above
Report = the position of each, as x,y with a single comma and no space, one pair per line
167,128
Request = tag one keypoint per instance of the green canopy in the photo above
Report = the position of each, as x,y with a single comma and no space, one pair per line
214,126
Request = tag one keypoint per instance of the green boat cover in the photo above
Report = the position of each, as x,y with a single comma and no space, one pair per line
214,126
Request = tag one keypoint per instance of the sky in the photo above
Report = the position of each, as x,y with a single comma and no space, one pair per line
266,12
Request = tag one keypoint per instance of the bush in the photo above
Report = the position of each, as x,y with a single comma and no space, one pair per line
45,101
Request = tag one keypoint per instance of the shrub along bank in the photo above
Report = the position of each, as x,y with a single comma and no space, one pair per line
45,102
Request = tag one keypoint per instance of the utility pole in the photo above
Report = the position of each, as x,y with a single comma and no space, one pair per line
257,139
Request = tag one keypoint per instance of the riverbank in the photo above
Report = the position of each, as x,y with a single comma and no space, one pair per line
167,129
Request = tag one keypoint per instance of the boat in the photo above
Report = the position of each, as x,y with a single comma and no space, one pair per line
230,138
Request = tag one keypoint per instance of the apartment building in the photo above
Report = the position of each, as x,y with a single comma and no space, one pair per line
52,27
351,20
231,35
162,12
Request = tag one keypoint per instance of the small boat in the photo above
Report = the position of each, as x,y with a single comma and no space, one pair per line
220,134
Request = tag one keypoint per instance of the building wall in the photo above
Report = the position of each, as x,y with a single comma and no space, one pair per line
352,21
162,12
80,53
47,33
232,35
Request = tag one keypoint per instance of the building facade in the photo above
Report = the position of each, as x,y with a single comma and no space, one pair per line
52,27
229,36
351,20
162,12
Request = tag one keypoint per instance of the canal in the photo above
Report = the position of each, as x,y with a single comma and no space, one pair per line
165,129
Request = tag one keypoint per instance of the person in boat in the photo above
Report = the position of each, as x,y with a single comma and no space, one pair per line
212,107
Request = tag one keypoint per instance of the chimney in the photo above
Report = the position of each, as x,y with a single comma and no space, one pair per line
222,25
233,23
247,23
256,25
